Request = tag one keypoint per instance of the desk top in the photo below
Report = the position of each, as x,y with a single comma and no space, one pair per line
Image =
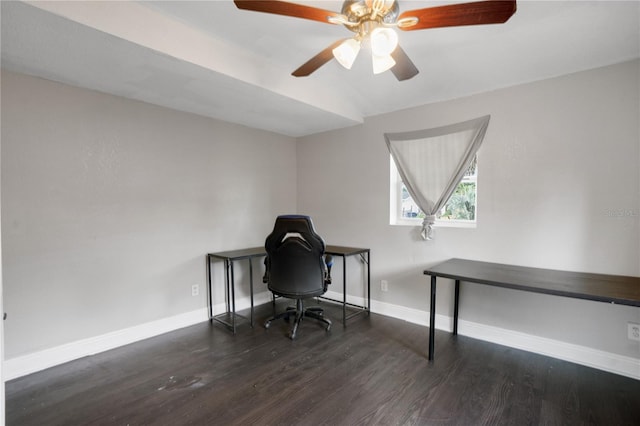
239,254
248,253
344,251
623,290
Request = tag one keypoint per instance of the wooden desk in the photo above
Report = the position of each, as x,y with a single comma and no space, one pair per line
228,318
617,289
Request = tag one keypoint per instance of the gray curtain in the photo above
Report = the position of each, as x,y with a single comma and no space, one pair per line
432,162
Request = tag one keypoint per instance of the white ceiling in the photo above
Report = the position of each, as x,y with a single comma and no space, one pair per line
209,58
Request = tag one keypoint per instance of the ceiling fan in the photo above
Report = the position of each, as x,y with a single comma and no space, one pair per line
375,20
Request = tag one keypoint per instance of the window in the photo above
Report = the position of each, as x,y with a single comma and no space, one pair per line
460,209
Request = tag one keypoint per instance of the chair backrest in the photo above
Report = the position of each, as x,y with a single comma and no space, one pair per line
295,264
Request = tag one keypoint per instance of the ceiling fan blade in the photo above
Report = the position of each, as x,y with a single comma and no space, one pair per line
287,9
317,61
404,69
453,15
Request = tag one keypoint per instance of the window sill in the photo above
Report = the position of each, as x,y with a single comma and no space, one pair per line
455,224
438,224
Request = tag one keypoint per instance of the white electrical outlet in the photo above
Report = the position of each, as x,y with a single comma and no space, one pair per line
633,331
384,285
195,290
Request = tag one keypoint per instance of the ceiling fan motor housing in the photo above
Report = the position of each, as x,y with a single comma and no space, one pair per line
361,11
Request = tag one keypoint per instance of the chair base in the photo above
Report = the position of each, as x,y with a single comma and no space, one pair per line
299,312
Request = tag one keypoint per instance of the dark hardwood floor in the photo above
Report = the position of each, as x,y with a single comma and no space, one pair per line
373,372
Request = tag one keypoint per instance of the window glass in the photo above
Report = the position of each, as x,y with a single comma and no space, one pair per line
460,208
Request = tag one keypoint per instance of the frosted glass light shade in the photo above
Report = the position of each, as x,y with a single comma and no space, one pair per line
383,41
382,63
346,53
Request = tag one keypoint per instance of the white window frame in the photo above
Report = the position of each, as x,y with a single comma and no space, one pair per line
395,203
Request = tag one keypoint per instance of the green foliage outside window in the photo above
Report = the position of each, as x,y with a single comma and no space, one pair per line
462,204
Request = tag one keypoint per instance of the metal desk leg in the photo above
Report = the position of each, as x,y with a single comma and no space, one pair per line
432,318
210,294
455,308
227,288
233,299
368,283
251,288
344,291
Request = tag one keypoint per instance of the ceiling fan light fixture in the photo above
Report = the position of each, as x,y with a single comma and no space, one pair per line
383,41
347,52
382,63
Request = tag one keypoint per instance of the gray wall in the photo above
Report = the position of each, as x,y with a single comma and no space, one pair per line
560,159
109,206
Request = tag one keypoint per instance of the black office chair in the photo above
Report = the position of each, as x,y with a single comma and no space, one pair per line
296,268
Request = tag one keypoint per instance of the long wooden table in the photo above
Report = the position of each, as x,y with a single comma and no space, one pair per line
617,289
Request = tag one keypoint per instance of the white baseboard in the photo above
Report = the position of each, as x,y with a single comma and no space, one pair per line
590,357
411,315
37,361
601,360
